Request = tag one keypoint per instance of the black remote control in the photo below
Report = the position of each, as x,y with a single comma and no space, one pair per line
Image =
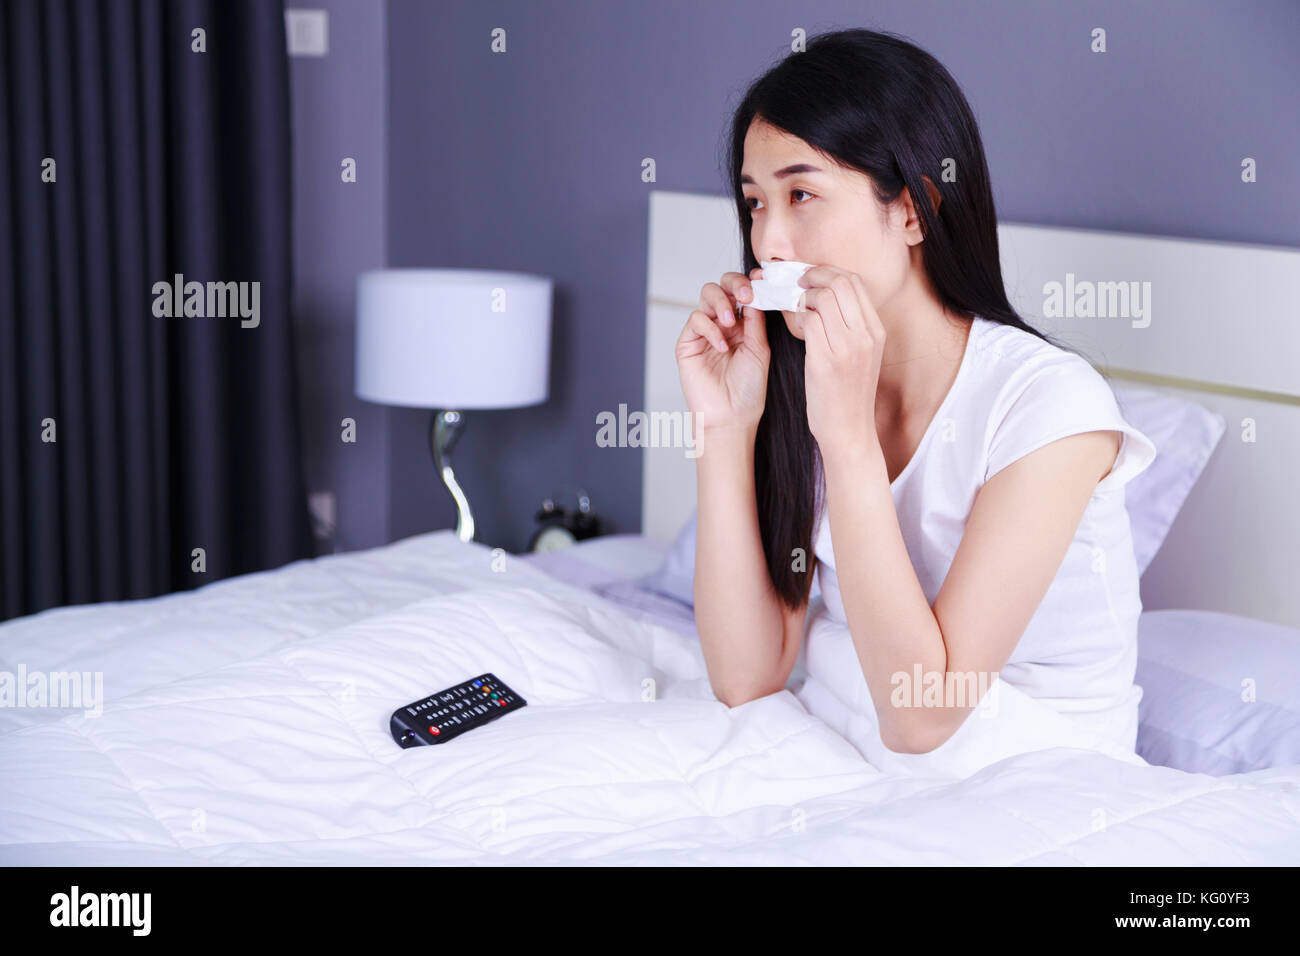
449,713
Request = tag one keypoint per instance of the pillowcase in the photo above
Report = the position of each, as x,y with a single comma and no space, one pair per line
1185,435
676,576
1220,693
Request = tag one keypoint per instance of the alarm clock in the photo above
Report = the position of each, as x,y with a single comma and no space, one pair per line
561,527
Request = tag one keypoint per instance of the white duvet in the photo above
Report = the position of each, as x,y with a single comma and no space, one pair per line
247,723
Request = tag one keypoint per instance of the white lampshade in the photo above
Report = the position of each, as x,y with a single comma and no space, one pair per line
453,338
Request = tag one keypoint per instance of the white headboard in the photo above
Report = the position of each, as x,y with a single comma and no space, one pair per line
1224,331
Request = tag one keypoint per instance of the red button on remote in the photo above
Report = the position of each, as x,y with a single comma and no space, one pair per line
435,731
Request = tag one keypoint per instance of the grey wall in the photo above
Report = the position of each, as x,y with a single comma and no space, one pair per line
531,160
340,229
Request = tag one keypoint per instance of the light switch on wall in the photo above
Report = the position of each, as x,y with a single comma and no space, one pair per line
307,32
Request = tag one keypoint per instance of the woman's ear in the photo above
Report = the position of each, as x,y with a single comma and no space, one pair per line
913,217
933,190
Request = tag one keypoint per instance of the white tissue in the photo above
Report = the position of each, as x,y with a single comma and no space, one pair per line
779,288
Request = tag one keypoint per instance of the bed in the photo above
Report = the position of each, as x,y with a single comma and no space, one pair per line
246,723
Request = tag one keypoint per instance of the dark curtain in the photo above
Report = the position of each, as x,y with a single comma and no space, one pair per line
169,433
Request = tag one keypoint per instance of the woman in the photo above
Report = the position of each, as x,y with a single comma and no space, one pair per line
956,476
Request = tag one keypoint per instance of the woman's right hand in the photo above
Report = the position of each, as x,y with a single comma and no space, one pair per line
725,386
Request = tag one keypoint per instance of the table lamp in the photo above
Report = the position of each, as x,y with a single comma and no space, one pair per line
451,340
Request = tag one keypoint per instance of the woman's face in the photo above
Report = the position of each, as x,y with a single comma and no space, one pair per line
807,208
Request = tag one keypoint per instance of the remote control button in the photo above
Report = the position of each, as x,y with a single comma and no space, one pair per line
435,731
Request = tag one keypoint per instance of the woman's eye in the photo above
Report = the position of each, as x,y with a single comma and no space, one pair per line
755,199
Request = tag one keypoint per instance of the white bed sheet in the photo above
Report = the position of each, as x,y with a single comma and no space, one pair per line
614,567
246,723
601,561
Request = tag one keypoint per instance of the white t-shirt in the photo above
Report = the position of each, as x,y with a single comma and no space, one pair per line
1077,657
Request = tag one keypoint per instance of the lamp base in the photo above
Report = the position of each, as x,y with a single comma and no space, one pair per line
445,428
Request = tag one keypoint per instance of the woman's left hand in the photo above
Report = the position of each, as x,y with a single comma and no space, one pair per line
844,340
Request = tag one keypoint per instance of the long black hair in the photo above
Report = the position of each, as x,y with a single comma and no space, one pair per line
875,103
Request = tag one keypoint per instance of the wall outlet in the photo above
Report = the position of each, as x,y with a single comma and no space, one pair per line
320,504
308,32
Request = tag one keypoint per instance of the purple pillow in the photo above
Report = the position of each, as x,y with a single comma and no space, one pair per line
1185,435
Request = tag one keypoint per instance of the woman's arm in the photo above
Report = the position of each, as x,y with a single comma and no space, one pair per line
1015,539
737,610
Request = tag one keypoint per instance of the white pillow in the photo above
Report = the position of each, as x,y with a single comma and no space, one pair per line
1198,671
1185,435
676,576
